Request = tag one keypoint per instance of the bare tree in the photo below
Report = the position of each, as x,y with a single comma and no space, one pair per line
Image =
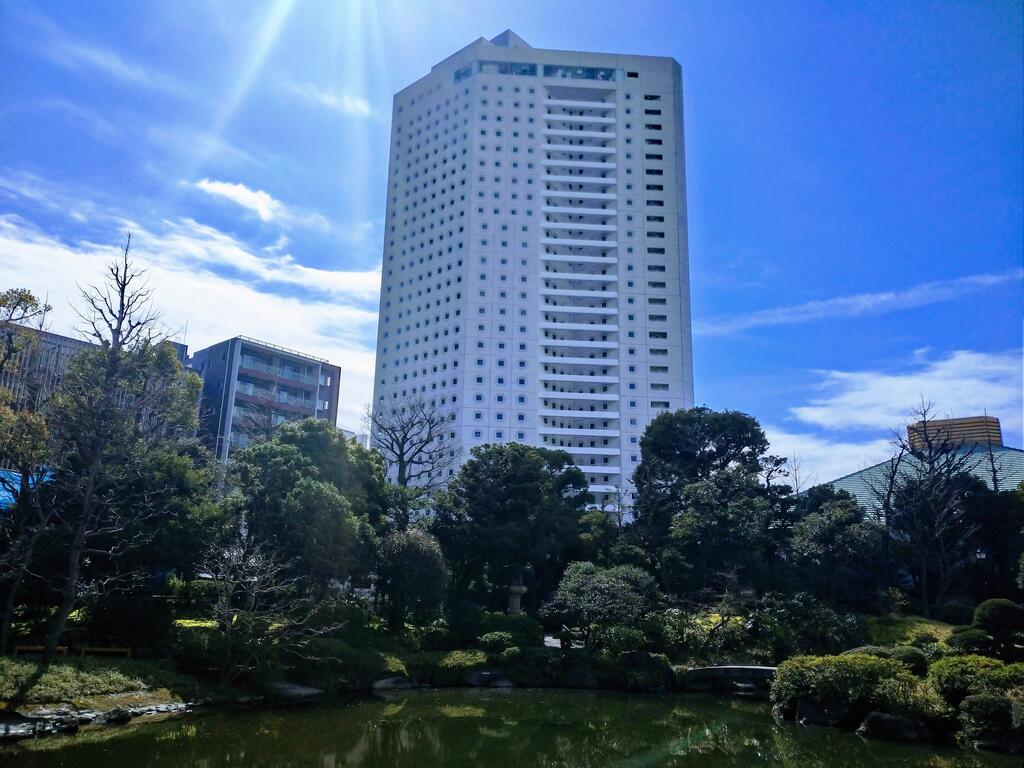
616,505
414,439
107,409
256,422
801,478
258,606
923,497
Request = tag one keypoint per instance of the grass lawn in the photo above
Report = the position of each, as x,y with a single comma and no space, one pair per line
90,683
892,630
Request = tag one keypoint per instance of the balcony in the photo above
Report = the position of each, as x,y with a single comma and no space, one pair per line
581,343
612,362
589,164
578,293
568,258
578,210
578,133
575,104
254,364
541,430
587,450
580,148
579,226
610,397
604,328
591,119
578,378
579,242
587,414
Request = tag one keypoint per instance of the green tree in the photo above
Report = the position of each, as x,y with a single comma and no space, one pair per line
290,510
23,442
356,472
835,541
685,447
589,598
413,576
20,309
510,509
718,519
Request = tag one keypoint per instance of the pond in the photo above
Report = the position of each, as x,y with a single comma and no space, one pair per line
493,728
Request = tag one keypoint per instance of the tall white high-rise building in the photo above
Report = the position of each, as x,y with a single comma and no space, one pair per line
535,271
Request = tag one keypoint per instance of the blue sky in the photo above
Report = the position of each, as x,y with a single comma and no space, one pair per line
856,194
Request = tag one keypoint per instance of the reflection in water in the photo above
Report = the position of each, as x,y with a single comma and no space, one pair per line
498,729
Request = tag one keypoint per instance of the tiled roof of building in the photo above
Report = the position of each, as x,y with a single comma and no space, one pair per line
1009,463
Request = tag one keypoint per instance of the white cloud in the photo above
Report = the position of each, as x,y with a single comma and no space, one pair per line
181,259
821,459
188,242
180,140
858,305
46,195
256,200
338,101
964,383
263,204
76,55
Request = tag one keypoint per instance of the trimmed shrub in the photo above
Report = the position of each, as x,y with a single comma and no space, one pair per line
913,698
1006,678
637,671
999,616
955,612
445,669
971,641
957,677
437,637
845,687
912,658
199,649
923,639
526,630
496,642
615,640
465,621
987,718
336,666
881,651
1004,621
527,666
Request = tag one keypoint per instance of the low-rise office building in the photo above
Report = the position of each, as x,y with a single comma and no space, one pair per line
251,386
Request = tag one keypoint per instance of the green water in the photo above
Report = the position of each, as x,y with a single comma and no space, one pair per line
493,728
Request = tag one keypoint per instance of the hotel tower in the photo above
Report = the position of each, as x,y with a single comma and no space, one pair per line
535,270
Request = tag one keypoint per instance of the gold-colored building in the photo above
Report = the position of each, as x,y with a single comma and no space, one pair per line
970,430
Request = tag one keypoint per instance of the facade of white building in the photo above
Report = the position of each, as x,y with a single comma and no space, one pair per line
535,269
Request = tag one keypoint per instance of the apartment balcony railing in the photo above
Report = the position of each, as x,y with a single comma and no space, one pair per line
253,364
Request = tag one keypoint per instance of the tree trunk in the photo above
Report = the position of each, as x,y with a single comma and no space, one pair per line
702,565
10,600
923,585
833,583
886,556
68,594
